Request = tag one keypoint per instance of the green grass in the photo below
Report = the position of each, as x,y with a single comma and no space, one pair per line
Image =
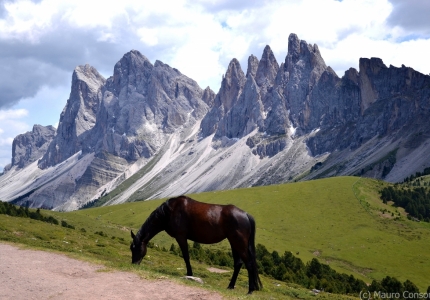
338,220
110,250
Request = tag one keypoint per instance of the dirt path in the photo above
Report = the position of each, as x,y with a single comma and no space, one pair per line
30,274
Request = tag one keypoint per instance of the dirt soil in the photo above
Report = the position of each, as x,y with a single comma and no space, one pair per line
30,274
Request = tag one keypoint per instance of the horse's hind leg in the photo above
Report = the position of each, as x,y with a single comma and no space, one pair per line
239,246
184,248
237,265
245,257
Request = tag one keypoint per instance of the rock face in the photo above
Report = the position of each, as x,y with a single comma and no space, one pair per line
208,96
231,87
30,146
77,118
239,105
376,102
142,104
107,125
267,68
303,68
245,115
154,130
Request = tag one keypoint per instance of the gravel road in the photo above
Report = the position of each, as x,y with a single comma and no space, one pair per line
30,274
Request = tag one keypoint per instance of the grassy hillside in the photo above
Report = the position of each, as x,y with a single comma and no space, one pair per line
341,221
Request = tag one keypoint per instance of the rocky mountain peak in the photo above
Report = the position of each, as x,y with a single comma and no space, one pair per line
229,92
78,116
30,146
86,83
208,96
132,69
252,66
294,46
231,84
304,67
245,115
352,75
143,103
267,68
372,65
299,50
369,68
88,74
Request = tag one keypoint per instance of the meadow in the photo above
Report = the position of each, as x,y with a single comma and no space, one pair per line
340,221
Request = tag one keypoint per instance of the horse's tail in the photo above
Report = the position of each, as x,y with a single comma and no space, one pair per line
251,250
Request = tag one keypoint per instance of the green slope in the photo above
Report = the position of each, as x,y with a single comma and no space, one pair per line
338,220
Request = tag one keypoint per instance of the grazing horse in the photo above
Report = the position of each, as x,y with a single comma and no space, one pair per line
186,219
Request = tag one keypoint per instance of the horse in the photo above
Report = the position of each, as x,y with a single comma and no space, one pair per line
186,219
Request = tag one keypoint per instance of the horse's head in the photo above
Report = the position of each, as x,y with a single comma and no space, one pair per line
138,249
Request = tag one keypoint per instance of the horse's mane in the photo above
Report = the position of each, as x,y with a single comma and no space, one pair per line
159,213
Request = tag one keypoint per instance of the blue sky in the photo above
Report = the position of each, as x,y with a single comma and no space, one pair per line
42,41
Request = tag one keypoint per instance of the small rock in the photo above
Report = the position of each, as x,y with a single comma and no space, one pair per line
197,279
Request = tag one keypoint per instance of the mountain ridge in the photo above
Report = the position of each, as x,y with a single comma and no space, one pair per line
273,124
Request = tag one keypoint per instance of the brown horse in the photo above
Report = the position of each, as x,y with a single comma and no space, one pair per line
186,219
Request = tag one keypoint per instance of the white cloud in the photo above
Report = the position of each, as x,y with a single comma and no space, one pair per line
26,20
200,42
12,127
47,103
6,141
10,114
148,35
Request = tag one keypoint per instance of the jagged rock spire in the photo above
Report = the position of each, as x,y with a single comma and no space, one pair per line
78,116
208,96
304,66
252,66
245,116
132,69
267,68
30,146
231,86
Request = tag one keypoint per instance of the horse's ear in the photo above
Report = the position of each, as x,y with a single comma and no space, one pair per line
132,235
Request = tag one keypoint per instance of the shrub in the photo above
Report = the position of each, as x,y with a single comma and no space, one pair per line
24,212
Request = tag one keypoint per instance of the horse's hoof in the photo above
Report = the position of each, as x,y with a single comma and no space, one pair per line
230,287
250,292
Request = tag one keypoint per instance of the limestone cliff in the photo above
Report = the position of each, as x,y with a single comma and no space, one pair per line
31,146
78,116
149,131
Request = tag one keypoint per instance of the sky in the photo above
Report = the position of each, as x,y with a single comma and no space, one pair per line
42,41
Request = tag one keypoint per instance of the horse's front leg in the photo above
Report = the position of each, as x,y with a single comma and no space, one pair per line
184,248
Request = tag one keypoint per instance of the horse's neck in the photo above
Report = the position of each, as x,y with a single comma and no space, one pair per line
151,228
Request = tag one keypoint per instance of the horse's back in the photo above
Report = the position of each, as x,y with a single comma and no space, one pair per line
204,222
197,209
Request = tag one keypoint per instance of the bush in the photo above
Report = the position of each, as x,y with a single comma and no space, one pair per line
64,224
101,233
415,201
23,212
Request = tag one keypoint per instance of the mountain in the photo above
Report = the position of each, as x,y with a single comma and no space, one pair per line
30,146
149,131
